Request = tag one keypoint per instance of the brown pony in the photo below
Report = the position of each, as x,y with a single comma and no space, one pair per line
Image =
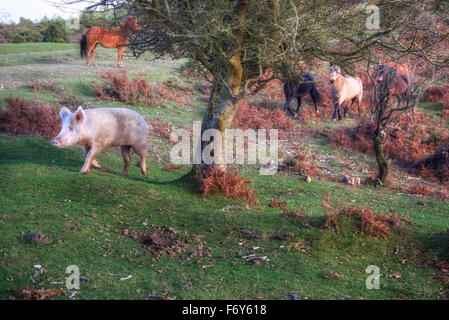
115,38
402,83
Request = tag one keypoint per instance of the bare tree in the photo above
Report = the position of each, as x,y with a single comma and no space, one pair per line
386,110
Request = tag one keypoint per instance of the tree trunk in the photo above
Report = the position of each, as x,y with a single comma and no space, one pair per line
222,104
380,140
221,110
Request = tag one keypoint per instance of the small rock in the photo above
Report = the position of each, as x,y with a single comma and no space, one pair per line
256,260
38,238
352,181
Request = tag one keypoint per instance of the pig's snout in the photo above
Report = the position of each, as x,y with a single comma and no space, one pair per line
55,143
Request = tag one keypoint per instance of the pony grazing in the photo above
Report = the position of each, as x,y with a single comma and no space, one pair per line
344,89
295,89
115,38
401,86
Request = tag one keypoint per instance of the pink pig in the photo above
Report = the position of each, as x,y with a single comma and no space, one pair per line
96,129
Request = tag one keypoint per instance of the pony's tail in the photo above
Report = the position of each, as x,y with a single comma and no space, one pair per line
83,46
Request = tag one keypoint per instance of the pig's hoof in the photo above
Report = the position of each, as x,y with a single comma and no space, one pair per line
96,164
84,171
124,173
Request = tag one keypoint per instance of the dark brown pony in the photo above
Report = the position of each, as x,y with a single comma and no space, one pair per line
115,38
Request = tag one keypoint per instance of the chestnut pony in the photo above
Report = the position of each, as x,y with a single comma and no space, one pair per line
115,38
401,85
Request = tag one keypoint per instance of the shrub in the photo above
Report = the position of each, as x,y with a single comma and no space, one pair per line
22,117
117,86
437,94
56,31
408,141
157,127
435,166
371,223
227,183
427,191
254,117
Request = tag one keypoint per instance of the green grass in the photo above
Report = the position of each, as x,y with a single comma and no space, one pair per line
42,191
9,48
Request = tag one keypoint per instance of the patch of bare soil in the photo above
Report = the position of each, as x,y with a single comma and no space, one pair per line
38,238
166,240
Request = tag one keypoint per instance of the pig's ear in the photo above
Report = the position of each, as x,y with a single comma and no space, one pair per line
64,112
79,115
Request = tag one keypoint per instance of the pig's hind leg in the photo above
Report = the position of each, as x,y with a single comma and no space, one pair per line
90,156
94,162
142,153
126,154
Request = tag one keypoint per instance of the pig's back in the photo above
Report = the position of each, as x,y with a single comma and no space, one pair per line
113,127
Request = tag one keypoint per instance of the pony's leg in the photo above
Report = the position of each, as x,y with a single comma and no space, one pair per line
90,49
359,104
336,109
92,54
287,104
299,104
347,107
87,55
313,95
121,51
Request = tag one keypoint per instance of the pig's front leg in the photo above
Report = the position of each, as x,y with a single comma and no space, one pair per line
90,156
94,162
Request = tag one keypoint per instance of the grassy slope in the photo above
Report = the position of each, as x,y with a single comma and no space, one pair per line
41,191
